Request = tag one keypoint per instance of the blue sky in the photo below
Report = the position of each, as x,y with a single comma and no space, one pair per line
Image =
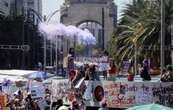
50,6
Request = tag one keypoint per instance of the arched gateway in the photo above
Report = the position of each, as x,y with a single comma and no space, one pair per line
99,16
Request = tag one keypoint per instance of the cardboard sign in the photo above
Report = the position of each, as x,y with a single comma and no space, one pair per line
120,94
37,92
3,100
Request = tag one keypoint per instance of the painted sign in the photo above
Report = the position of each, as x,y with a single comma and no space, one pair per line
62,89
37,91
124,94
126,66
3,100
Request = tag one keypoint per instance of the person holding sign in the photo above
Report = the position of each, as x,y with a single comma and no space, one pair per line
145,72
112,70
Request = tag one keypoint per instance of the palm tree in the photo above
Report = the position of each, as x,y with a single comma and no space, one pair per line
139,27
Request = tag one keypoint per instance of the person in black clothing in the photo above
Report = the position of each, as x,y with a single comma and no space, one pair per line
48,102
145,71
75,106
59,103
94,75
31,104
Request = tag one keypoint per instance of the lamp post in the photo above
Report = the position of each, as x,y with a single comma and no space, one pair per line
135,59
103,26
56,39
162,38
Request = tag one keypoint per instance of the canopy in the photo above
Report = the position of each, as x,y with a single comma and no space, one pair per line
39,74
150,107
15,75
16,72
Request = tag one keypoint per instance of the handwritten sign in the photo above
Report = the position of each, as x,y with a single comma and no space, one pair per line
3,100
124,94
37,91
62,89
125,66
117,95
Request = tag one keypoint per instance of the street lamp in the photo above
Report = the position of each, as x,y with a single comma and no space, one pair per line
46,19
56,40
135,55
162,38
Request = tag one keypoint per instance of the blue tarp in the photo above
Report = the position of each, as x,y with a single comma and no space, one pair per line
38,75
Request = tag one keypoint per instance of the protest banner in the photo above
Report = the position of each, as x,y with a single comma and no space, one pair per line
128,94
37,91
121,94
62,89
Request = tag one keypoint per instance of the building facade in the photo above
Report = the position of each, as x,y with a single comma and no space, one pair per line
30,8
5,7
33,9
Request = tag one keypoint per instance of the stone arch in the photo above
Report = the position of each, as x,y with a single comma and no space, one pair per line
91,11
83,21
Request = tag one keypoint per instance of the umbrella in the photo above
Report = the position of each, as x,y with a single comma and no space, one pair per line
150,107
20,81
38,75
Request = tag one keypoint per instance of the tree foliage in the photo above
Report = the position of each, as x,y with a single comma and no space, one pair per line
139,28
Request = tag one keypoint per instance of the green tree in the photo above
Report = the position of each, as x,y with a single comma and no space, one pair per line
140,27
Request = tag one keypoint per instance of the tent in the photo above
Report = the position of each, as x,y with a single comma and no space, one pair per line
150,107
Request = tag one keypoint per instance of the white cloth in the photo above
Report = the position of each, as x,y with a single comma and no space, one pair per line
63,108
88,92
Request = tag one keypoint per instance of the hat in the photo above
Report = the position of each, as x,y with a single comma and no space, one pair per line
16,99
29,93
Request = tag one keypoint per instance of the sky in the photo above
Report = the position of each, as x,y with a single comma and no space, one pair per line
50,6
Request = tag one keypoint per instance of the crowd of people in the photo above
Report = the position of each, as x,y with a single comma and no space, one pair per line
19,102
167,75
91,72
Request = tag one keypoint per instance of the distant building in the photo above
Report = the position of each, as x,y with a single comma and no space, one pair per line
33,9
30,8
5,7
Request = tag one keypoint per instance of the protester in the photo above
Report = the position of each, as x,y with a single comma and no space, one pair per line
82,105
93,72
17,105
87,73
48,102
77,76
139,69
72,74
59,103
167,75
53,106
145,71
31,104
10,104
112,70
82,71
103,106
75,105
